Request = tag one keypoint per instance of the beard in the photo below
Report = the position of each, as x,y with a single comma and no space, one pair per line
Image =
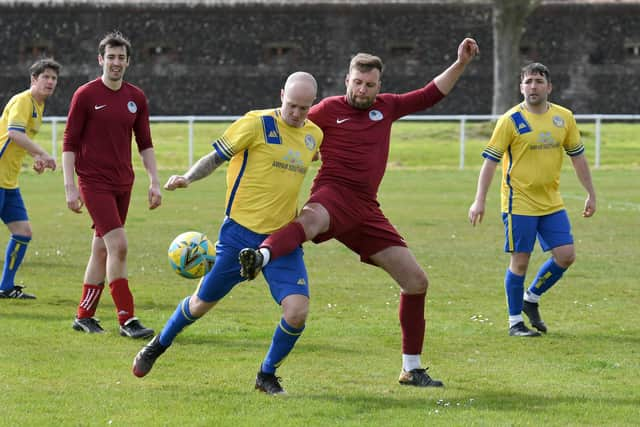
362,104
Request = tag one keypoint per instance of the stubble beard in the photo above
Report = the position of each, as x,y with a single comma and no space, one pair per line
537,100
360,105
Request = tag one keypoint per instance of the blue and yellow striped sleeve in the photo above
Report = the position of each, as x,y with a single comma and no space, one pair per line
223,148
20,114
492,153
238,137
573,145
500,139
576,151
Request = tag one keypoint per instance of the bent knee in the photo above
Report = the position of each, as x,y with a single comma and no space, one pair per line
296,317
20,228
24,233
198,307
566,260
99,253
418,283
120,251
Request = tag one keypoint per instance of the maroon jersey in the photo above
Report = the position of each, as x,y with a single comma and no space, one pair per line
355,147
99,130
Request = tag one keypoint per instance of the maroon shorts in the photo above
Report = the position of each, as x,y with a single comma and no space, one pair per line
357,223
108,209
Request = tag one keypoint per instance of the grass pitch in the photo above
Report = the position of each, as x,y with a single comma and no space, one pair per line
344,369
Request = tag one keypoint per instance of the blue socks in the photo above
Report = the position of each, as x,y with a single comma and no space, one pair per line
16,248
180,319
547,276
284,338
514,287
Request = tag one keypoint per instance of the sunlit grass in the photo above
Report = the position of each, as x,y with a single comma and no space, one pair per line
344,368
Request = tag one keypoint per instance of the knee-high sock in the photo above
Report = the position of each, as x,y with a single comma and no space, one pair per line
89,300
285,240
412,323
180,319
284,338
16,248
547,276
123,299
514,287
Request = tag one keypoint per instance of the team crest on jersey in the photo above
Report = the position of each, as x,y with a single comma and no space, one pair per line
310,142
375,115
132,107
558,121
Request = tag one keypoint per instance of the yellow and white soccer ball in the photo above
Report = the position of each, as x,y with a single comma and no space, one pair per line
192,254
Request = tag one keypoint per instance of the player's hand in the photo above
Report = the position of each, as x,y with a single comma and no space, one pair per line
176,181
38,165
74,202
42,162
468,50
476,213
589,207
155,196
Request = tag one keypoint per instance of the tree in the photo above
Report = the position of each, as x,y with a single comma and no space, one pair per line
508,25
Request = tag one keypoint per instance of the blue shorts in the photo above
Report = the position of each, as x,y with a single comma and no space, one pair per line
12,206
552,230
286,275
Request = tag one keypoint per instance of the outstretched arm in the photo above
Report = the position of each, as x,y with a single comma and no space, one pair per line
467,50
476,211
584,175
201,169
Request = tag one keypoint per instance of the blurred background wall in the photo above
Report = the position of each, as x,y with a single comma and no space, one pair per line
224,58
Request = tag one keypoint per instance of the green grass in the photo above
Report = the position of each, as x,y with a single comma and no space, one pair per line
344,368
415,144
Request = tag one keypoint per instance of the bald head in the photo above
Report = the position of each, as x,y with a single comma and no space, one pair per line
298,95
301,80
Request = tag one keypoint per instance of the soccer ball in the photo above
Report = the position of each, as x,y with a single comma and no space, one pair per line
191,255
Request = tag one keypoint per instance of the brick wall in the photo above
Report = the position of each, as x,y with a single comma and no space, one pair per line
205,60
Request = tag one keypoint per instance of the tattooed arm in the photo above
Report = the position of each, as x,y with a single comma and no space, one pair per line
201,169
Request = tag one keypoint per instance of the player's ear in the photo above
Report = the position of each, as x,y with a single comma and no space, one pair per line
282,95
346,80
550,87
100,60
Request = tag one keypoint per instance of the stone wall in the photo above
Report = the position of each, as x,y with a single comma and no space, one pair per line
204,60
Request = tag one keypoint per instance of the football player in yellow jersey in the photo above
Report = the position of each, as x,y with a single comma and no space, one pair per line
269,152
531,140
20,122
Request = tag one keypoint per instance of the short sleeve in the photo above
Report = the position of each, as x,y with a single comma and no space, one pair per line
20,114
500,140
572,143
241,135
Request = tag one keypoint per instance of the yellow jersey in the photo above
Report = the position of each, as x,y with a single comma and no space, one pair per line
268,163
23,114
532,148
